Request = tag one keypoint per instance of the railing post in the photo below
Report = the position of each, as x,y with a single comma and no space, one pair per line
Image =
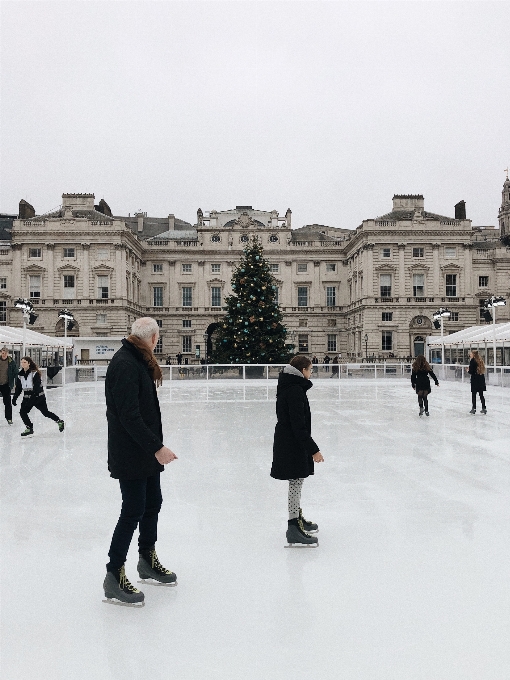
244,372
207,371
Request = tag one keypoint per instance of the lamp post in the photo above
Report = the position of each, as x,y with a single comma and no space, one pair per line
442,313
366,347
28,315
206,338
68,318
492,303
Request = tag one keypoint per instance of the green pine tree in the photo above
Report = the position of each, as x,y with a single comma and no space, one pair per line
252,332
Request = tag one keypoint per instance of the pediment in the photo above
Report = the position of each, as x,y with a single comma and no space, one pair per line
68,267
450,266
102,268
417,266
216,280
386,267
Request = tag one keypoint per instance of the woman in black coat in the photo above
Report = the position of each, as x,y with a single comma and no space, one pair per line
29,382
420,382
477,372
294,451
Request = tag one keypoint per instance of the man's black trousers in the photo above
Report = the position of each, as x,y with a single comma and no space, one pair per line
6,396
141,503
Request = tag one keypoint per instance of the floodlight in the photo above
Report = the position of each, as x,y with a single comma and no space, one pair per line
487,316
437,324
23,304
70,325
441,312
32,318
66,314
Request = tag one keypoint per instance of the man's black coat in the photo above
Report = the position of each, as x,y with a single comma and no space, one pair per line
135,432
293,446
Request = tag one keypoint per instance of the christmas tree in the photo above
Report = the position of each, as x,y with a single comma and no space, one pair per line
251,332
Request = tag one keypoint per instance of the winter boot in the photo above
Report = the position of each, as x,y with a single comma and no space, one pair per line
60,425
149,567
421,411
28,432
473,411
118,590
484,411
427,413
297,536
308,526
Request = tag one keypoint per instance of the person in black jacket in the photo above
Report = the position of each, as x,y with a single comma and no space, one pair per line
8,373
477,372
420,382
29,382
294,450
136,456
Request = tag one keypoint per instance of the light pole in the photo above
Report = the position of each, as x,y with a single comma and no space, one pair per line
492,303
206,338
68,318
442,313
366,347
28,315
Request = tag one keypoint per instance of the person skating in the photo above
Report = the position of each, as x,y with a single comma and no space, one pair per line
420,382
136,457
294,450
29,382
476,370
8,373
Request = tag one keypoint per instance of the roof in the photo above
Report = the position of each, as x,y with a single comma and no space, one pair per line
14,336
396,215
154,226
176,235
474,335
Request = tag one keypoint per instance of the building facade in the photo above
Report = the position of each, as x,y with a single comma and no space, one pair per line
369,291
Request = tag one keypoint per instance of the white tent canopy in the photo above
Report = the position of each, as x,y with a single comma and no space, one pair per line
474,335
10,336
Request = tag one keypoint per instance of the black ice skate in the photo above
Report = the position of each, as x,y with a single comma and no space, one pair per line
427,413
118,590
28,432
297,537
484,411
421,412
473,411
151,571
309,527
60,425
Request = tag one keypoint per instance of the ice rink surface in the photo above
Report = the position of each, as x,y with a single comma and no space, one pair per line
411,579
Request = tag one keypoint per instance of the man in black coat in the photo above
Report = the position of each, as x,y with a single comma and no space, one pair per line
136,456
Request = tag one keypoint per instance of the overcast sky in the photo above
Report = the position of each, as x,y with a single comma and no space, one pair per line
328,108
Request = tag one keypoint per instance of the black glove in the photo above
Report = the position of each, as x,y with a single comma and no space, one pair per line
14,401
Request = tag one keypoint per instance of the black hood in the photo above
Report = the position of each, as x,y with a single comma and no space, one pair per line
286,380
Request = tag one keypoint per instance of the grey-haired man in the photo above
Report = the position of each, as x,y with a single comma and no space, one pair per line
8,373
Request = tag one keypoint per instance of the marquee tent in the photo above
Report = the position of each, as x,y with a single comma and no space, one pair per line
10,337
482,338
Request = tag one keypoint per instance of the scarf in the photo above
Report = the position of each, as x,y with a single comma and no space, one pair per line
148,357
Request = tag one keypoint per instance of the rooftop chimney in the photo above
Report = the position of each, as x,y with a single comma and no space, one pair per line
26,211
460,210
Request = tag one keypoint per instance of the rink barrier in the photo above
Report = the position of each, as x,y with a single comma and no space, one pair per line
387,371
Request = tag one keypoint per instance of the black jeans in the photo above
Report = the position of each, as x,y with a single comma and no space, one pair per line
141,503
5,390
40,403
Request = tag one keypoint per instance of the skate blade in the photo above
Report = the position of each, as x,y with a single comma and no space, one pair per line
153,582
113,600
301,545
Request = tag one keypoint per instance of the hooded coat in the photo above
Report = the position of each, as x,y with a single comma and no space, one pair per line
135,432
477,379
293,445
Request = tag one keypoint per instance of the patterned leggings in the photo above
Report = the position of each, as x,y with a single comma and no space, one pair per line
295,486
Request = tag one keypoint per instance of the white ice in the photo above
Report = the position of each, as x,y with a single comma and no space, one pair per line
410,580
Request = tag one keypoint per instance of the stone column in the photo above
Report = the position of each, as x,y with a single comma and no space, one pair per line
468,271
316,293
202,291
85,271
50,282
17,290
402,270
368,270
120,268
435,270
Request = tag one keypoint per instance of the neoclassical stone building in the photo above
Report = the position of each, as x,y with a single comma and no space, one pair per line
363,292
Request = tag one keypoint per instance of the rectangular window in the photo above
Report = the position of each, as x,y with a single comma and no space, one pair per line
385,284
386,252
34,252
101,319
277,296
454,316
103,287
186,323
330,266
3,311
157,268
3,282
157,294
186,269
330,296
215,296
302,296
387,316
215,268
159,346
160,323
483,281
331,343
450,251
103,253
68,252
451,285
69,286
302,267
187,296
274,268
418,252
186,343
303,343
418,285
35,286
387,341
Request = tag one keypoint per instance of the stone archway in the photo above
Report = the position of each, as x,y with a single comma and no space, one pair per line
73,333
211,331
419,327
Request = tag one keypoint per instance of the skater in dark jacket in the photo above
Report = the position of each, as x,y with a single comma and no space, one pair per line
294,450
136,456
29,382
420,382
477,372
8,373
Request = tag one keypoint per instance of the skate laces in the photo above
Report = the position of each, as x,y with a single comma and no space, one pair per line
156,564
300,525
124,582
